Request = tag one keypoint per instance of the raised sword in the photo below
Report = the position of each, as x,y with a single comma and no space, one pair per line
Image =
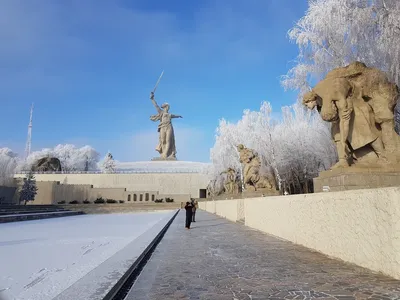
158,81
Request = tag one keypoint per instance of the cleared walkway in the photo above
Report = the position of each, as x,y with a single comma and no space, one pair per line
218,259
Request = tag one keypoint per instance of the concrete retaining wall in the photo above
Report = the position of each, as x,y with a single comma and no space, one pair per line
52,192
227,209
163,183
360,226
177,198
208,206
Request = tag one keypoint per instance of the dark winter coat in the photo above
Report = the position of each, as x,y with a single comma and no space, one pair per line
189,209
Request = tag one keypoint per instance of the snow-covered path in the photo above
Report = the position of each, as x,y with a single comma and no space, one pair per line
39,259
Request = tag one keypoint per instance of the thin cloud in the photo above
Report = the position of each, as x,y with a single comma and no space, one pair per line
56,37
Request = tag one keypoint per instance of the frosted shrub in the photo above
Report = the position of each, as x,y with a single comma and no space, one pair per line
29,189
108,164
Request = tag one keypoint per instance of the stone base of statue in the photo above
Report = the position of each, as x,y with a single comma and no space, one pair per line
247,194
164,159
259,193
353,178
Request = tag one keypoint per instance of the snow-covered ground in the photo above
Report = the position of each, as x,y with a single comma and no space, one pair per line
162,166
40,259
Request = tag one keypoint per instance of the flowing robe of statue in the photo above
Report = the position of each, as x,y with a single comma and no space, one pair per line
166,138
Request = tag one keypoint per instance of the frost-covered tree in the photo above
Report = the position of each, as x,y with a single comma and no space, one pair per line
297,147
67,155
253,131
87,157
76,159
303,146
108,164
71,157
25,165
29,189
8,164
334,33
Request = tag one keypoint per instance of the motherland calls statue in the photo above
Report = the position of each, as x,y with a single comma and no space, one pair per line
359,102
166,139
253,180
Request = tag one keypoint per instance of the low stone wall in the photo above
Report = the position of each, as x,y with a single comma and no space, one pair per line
227,209
208,205
360,226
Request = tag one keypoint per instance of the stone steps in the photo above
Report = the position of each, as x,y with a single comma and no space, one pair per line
28,207
19,212
15,213
121,208
37,216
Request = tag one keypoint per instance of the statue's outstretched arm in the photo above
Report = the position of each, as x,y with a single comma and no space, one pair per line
155,103
176,116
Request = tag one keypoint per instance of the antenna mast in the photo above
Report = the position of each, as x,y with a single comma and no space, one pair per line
29,138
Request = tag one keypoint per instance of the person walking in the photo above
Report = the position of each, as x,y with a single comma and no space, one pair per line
189,214
195,205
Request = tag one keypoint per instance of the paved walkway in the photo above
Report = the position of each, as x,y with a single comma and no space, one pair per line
218,259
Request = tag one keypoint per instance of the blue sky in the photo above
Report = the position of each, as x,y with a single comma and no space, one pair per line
89,67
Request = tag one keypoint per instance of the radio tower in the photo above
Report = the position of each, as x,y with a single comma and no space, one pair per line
29,138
